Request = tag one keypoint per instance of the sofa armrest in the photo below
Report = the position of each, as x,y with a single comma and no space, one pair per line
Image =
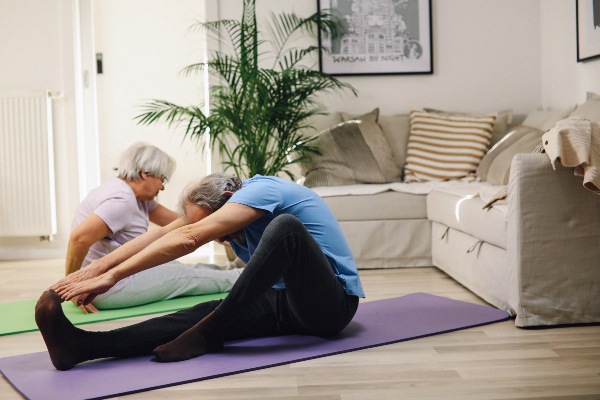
553,244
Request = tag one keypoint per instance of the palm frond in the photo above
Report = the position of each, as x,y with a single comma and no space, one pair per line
285,28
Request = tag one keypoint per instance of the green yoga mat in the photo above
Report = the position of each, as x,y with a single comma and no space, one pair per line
18,317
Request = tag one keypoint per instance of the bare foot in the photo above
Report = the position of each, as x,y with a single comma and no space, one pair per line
66,344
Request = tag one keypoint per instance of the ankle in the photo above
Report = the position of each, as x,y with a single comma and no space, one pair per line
212,329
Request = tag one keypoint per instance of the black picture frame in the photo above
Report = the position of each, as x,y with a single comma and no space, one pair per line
588,29
385,37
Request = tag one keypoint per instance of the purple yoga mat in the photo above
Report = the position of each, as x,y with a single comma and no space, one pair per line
376,323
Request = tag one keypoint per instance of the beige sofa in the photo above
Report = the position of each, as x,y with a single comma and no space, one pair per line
534,253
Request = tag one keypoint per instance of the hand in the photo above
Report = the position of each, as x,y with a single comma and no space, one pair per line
87,308
91,271
85,291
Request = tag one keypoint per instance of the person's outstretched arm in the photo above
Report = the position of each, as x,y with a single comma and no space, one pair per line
101,265
173,242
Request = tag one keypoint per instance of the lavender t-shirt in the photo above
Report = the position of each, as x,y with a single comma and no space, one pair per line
115,203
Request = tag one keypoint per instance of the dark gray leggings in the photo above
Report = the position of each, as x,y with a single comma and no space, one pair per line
314,301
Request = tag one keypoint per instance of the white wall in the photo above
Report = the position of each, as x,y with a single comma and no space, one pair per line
145,44
37,54
564,80
479,64
486,58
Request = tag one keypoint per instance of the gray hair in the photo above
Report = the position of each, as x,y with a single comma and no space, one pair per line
207,192
143,157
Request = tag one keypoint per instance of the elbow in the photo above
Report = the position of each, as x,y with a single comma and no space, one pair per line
191,243
78,243
186,239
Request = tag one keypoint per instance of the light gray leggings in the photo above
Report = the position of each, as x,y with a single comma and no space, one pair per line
167,281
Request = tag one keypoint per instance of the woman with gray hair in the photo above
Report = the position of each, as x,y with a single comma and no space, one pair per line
120,210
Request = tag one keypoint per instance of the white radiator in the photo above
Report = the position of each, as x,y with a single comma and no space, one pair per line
27,187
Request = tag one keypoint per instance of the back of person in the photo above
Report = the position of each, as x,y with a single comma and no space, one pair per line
278,197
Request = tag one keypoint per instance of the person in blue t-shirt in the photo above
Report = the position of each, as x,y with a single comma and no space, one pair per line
300,278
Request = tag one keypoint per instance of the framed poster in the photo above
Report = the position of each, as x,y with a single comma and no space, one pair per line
588,29
378,37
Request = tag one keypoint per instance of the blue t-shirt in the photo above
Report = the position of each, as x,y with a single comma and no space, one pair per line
278,196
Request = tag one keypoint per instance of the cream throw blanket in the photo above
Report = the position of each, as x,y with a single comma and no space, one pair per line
575,142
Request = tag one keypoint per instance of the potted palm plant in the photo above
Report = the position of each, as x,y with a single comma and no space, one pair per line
264,102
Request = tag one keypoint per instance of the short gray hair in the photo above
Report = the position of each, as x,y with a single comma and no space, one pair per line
143,157
207,192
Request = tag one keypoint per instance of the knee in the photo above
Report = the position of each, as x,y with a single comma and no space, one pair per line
287,221
282,226
285,224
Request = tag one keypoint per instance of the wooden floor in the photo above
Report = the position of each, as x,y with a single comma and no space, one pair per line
497,361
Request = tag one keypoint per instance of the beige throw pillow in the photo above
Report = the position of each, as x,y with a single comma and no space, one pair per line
352,152
592,96
588,110
545,119
396,129
443,147
495,166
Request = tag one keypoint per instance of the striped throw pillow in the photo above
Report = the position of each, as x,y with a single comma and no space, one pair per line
443,147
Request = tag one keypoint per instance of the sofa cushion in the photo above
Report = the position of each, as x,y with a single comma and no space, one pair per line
494,168
443,147
396,129
590,109
380,206
545,119
592,96
460,207
504,120
351,153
